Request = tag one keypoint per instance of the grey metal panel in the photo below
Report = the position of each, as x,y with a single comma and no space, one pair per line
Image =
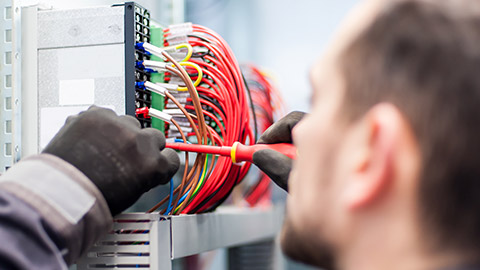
103,65
172,237
80,27
77,47
160,245
126,237
116,261
228,226
149,237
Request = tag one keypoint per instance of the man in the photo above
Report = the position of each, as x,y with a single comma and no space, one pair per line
388,172
386,175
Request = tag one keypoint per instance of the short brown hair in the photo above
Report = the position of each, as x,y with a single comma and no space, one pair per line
425,59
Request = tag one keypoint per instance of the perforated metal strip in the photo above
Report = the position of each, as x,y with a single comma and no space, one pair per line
10,83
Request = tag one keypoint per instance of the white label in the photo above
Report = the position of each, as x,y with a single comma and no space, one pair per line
76,92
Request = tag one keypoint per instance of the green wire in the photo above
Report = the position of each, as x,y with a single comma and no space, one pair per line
202,180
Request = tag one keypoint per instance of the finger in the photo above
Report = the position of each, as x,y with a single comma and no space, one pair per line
98,112
70,119
155,135
90,109
131,121
167,165
281,131
95,108
274,164
173,161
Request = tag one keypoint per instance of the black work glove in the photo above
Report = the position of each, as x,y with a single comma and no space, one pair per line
121,159
274,164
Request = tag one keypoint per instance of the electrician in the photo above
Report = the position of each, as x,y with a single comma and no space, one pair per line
388,168
387,174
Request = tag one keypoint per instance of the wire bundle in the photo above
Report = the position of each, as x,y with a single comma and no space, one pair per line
268,106
206,103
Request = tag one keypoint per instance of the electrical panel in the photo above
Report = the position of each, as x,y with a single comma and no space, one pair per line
87,56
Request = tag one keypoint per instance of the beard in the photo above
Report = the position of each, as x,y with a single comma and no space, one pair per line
306,248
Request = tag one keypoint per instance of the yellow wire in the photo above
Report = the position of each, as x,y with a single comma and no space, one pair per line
189,50
189,64
199,78
200,183
198,186
182,45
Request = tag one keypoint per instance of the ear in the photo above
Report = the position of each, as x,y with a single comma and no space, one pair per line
372,169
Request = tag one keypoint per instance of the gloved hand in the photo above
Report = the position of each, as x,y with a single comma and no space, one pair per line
119,157
277,166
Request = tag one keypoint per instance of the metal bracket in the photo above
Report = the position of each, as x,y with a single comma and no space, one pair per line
152,241
10,83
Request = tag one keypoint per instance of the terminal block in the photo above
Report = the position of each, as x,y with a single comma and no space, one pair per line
137,29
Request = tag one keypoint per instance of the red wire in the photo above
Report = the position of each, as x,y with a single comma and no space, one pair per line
224,83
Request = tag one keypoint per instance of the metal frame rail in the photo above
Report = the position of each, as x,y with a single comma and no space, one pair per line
152,241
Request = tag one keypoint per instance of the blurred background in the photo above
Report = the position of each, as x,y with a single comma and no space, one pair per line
282,37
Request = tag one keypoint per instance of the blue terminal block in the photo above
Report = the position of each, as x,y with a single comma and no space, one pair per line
140,85
140,65
139,46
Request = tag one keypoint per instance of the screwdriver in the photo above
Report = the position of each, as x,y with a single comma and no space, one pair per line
238,152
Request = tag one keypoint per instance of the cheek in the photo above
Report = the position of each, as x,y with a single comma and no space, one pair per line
310,184
305,183
305,170
310,138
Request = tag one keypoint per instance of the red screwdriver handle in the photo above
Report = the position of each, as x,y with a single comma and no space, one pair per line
238,152
241,152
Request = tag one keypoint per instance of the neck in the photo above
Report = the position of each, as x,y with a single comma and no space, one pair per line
396,244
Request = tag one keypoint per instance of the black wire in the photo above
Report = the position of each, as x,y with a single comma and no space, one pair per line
252,106
214,102
201,55
200,37
257,84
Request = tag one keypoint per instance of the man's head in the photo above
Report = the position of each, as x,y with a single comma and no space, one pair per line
388,157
